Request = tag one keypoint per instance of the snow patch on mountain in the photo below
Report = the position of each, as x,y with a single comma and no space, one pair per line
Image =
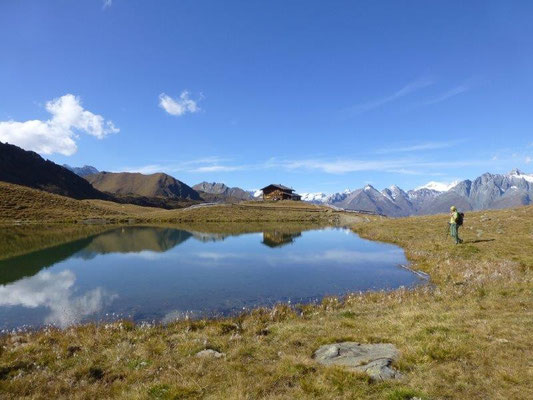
516,173
439,186
318,197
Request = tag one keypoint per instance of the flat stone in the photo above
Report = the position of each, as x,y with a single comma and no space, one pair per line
374,359
210,353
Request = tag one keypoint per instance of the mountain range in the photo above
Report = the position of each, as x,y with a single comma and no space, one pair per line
489,191
216,192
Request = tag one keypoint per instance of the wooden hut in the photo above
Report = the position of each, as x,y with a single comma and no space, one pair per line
278,239
275,192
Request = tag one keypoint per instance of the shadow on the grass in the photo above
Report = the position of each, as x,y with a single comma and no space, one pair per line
479,241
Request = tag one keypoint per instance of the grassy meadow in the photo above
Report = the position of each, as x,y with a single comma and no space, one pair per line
20,205
468,335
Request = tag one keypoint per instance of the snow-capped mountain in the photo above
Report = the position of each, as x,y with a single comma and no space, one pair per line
517,174
485,192
318,197
438,186
324,198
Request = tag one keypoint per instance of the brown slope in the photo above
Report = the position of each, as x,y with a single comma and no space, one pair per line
27,168
21,203
154,185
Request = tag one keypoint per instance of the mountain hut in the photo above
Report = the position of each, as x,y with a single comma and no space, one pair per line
275,192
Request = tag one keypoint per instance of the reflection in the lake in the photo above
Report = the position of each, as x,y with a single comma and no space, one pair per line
26,265
127,240
161,273
55,293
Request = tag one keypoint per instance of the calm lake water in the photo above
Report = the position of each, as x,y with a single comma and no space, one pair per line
161,274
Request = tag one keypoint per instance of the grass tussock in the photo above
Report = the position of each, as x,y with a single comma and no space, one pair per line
467,337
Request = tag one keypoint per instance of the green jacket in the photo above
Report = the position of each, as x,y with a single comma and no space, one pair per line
454,217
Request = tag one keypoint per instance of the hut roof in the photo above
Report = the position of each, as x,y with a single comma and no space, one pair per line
280,186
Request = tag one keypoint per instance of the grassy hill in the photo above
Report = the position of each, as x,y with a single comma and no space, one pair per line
27,168
467,336
20,204
154,185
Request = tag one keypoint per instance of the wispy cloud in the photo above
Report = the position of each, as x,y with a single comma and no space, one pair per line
419,147
178,106
218,168
411,87
339,166
403,166
106,4
447,95
201,165
406,166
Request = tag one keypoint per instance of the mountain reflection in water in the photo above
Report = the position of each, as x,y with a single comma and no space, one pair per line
152,273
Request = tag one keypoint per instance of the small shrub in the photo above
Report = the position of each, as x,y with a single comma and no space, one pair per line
404,394
96,373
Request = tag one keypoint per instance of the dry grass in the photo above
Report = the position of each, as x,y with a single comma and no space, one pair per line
22,205
468,338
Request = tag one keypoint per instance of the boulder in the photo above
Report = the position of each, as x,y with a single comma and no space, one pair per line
374,359
210,353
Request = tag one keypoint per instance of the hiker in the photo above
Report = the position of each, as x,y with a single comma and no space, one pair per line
456,220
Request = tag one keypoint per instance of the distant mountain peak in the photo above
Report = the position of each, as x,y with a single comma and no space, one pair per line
217,191
82,171
516,173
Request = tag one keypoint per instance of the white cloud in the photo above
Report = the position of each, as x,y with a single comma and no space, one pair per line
57,134
528,160
107,4
178,106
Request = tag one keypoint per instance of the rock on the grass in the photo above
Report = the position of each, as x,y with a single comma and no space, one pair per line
374,359
210,353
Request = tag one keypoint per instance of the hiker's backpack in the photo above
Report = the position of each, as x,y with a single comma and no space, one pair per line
460,217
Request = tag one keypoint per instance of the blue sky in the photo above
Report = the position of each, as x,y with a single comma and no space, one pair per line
318,95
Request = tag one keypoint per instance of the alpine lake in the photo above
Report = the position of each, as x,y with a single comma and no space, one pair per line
163,273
